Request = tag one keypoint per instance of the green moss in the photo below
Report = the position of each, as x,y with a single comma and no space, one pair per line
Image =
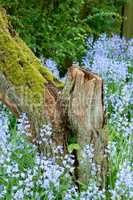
20,65
3,19
58,83
30,57
50,77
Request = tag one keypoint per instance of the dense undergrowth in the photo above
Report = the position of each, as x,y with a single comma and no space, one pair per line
58,29
25,174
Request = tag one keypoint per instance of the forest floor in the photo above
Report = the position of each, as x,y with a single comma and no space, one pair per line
27,175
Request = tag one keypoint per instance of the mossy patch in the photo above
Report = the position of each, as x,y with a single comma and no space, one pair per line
20,66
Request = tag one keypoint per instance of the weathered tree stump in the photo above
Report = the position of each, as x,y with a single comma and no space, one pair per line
83,96
27,86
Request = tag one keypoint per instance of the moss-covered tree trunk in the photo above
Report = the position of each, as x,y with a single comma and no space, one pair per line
27,86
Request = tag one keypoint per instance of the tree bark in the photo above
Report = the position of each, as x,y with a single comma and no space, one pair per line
128,21
83,97
27,86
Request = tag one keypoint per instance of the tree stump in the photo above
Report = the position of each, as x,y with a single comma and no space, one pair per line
83,96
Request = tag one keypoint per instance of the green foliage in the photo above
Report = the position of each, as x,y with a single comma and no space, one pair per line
58,29
72,147
120,149
102,16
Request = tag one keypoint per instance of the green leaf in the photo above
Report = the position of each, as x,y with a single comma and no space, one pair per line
72,147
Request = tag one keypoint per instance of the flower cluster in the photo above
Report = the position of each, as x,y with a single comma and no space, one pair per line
26,174
111,58
124,183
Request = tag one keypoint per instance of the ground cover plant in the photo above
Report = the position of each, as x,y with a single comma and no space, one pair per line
25,174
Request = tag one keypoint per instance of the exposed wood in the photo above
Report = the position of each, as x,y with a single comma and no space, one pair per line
3,95
83,96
